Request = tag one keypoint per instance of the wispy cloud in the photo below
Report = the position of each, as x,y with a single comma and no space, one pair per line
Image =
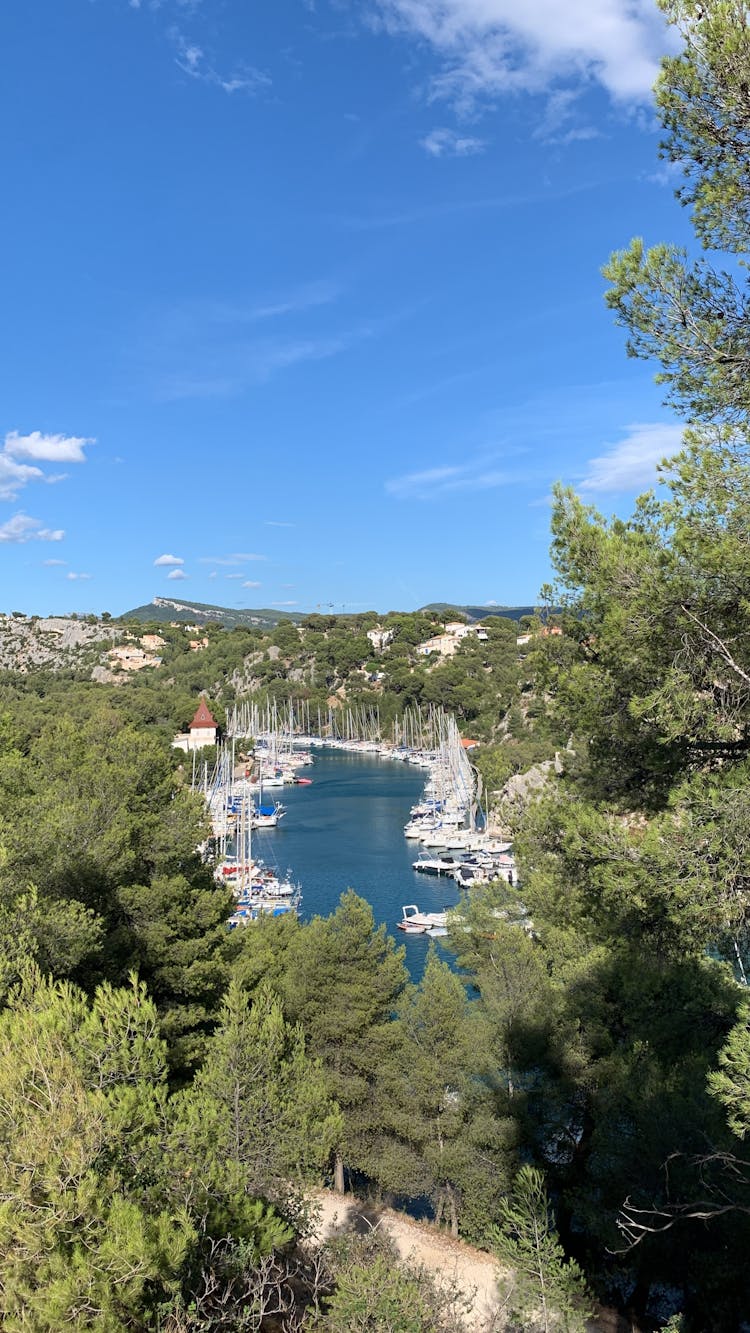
448,143
631,465
277,523
558,122
193,61
177,574
478,474
490,48
283,603
229,367
50,563
252,583
377,220
236,558
169,560
74,577
669,174
219,348
22,528
307,297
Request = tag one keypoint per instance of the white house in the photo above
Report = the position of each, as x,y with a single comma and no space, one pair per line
202,730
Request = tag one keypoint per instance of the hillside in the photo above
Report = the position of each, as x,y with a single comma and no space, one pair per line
166,609
200,613
479,612
52,643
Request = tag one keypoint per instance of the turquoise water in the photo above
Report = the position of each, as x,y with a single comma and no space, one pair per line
347,831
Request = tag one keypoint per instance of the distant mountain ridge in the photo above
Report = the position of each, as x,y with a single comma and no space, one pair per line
200,613
481,612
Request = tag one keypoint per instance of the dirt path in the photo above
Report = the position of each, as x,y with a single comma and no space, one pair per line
473,1271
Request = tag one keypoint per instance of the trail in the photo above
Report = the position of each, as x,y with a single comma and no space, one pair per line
453,1262
475,1273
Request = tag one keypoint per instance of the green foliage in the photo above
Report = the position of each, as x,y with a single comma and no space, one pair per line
659,613
377,1298
730,1083
256,1122
702,99
373,1291
94,819
443,1139
548,1292
342,984
691,316
84,1237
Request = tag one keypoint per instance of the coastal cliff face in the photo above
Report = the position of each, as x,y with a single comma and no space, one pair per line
52,643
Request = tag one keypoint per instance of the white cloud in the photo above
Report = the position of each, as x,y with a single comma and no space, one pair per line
14,476
447,143
307,297
50,563
22,528
169,560
631,464
276,523
192,57
177,574
251,583
237,558
478,474
47,448
416,483
283,603
489,48
554,126
73,576
229,365
192,60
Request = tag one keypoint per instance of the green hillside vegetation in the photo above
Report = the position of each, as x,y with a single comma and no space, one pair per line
577,1097
474,613
164,609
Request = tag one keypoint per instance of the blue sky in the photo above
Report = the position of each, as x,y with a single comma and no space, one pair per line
302,298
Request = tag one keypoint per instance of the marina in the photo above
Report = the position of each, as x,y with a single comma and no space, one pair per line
346,831
353,822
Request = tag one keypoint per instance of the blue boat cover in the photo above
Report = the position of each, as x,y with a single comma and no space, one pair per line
266,809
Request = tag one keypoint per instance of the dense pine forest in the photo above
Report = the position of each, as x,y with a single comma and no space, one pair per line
574,1099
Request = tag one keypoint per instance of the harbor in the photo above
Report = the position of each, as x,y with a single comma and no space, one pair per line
358,806
346,831
354,821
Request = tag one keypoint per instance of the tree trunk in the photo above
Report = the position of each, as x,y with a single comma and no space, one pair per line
338,1174
454,1214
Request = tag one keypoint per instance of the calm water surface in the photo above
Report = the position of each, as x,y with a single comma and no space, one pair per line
347,831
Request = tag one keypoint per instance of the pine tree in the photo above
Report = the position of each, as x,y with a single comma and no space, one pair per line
257,1121
343,982
86,1237
548,1292
441,1135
